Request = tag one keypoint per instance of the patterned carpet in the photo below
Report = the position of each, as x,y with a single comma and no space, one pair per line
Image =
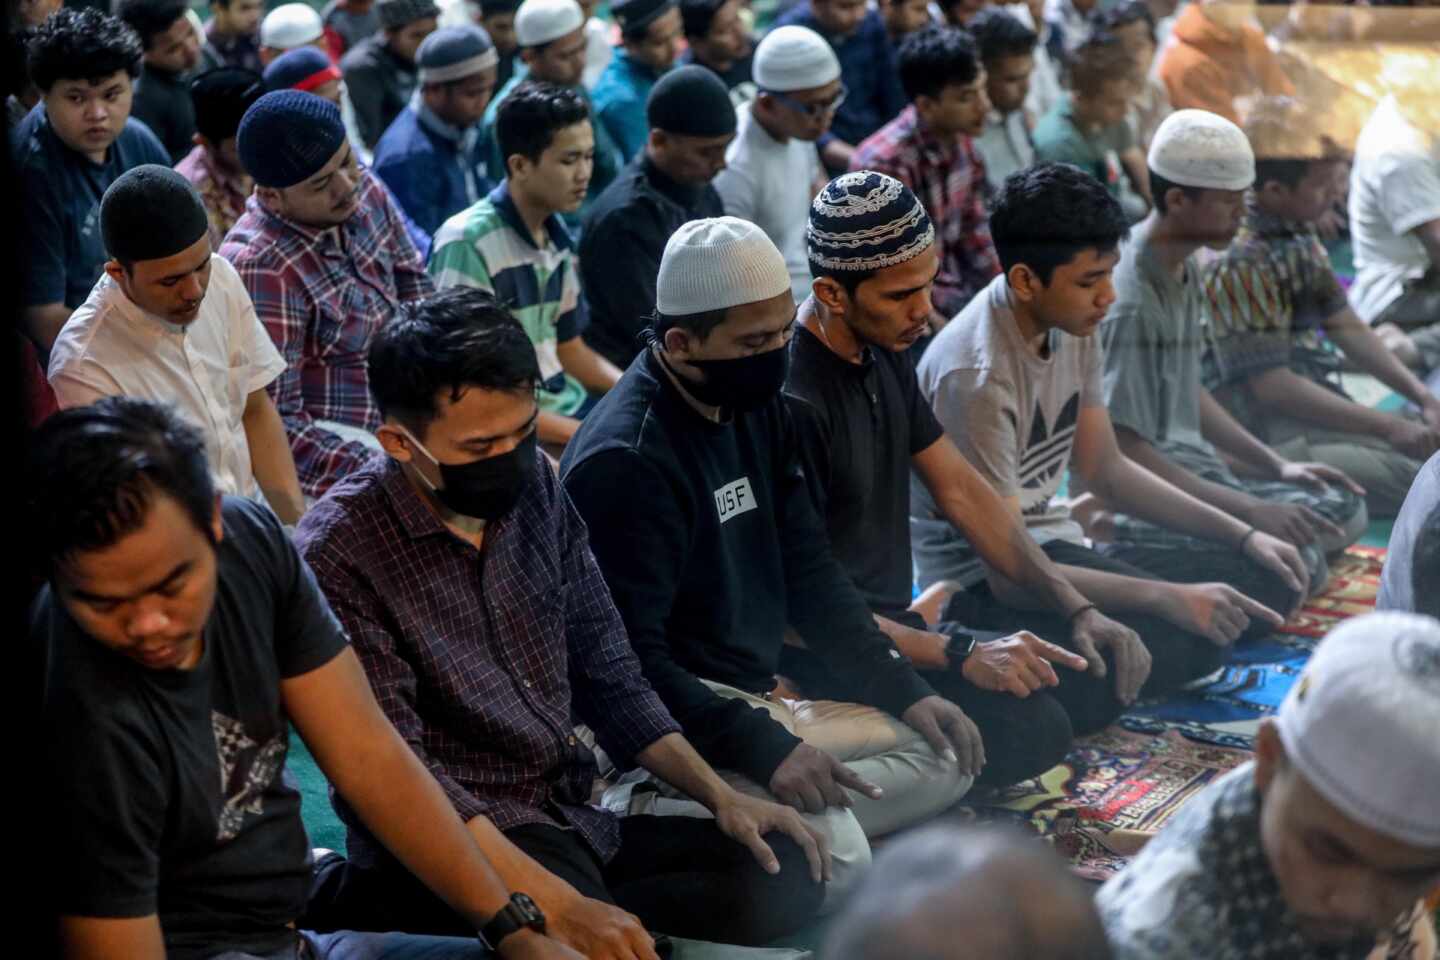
1118,787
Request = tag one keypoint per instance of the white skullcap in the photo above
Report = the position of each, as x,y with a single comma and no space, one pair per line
794,58
1362,724
716,264
541,21
1197,148
290,26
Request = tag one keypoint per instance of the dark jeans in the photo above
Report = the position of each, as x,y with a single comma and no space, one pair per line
680,875
1178,657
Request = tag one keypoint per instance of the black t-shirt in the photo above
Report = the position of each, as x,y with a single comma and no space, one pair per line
169,794
710,545
162,102
621,241
858,426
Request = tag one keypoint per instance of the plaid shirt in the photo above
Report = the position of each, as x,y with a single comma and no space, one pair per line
949,179
322,295
223,193
484,660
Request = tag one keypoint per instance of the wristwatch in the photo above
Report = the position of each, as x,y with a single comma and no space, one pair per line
519,913
958,646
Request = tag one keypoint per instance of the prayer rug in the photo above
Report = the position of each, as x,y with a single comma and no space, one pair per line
1112,792
1354,583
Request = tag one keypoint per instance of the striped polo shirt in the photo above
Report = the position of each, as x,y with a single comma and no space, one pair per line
488,246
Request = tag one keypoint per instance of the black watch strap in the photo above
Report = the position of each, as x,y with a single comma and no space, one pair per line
958,648
520,913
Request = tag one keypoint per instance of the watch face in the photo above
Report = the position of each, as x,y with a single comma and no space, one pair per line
530,914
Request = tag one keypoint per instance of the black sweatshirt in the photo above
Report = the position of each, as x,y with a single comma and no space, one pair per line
709,541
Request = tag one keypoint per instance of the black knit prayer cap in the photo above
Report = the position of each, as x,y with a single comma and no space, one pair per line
691,101
151,212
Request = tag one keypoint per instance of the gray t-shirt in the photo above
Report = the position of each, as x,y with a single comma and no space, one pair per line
1397,585
1012,414
1154,340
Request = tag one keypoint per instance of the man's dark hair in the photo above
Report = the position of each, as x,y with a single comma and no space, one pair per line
1425,566
1000,35
221,98
1100,60
1159,186
1287,172
849,280
697,15
1045,215
82,45
150,18
1110,19
528,119
94,472
451,341
934,57
700,324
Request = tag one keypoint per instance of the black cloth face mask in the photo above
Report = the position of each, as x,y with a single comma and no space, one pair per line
741,384
484,489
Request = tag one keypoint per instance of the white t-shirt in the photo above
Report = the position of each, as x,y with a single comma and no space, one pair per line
1014,416
1005,146
1394,188
771,184
206,370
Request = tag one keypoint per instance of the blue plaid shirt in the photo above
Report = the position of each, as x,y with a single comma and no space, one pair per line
484,660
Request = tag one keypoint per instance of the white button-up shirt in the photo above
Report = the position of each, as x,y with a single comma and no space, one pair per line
206,369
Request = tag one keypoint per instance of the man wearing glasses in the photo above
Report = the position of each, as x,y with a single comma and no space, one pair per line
772,169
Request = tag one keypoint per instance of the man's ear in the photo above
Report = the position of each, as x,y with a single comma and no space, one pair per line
1024,283
115,271
677,343
516,166
394,442
1269,754
217,521
830,293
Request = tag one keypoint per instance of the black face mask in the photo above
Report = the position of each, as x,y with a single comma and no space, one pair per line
485,489
741,384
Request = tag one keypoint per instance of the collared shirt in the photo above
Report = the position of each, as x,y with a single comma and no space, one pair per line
322,295
1267,297
1155,339
607,153
206,369
1204,888
162,102
433,168
949,179
490,247
223,193
620,96
620,248
60,193
237,50
598,51
380,85
868,70
1005,147
484,660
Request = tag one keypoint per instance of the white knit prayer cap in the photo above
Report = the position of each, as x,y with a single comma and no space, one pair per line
1362,724
716,264
794,58
541,21
289,26
1197,148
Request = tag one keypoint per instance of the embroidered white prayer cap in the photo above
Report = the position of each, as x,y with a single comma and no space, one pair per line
716,264
290,25
1362,724
541,21
794,58
1197,148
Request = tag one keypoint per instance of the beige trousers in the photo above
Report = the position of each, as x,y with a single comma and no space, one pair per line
917,783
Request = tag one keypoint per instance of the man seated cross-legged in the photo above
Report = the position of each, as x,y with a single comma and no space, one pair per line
461,572
688,477
183,636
